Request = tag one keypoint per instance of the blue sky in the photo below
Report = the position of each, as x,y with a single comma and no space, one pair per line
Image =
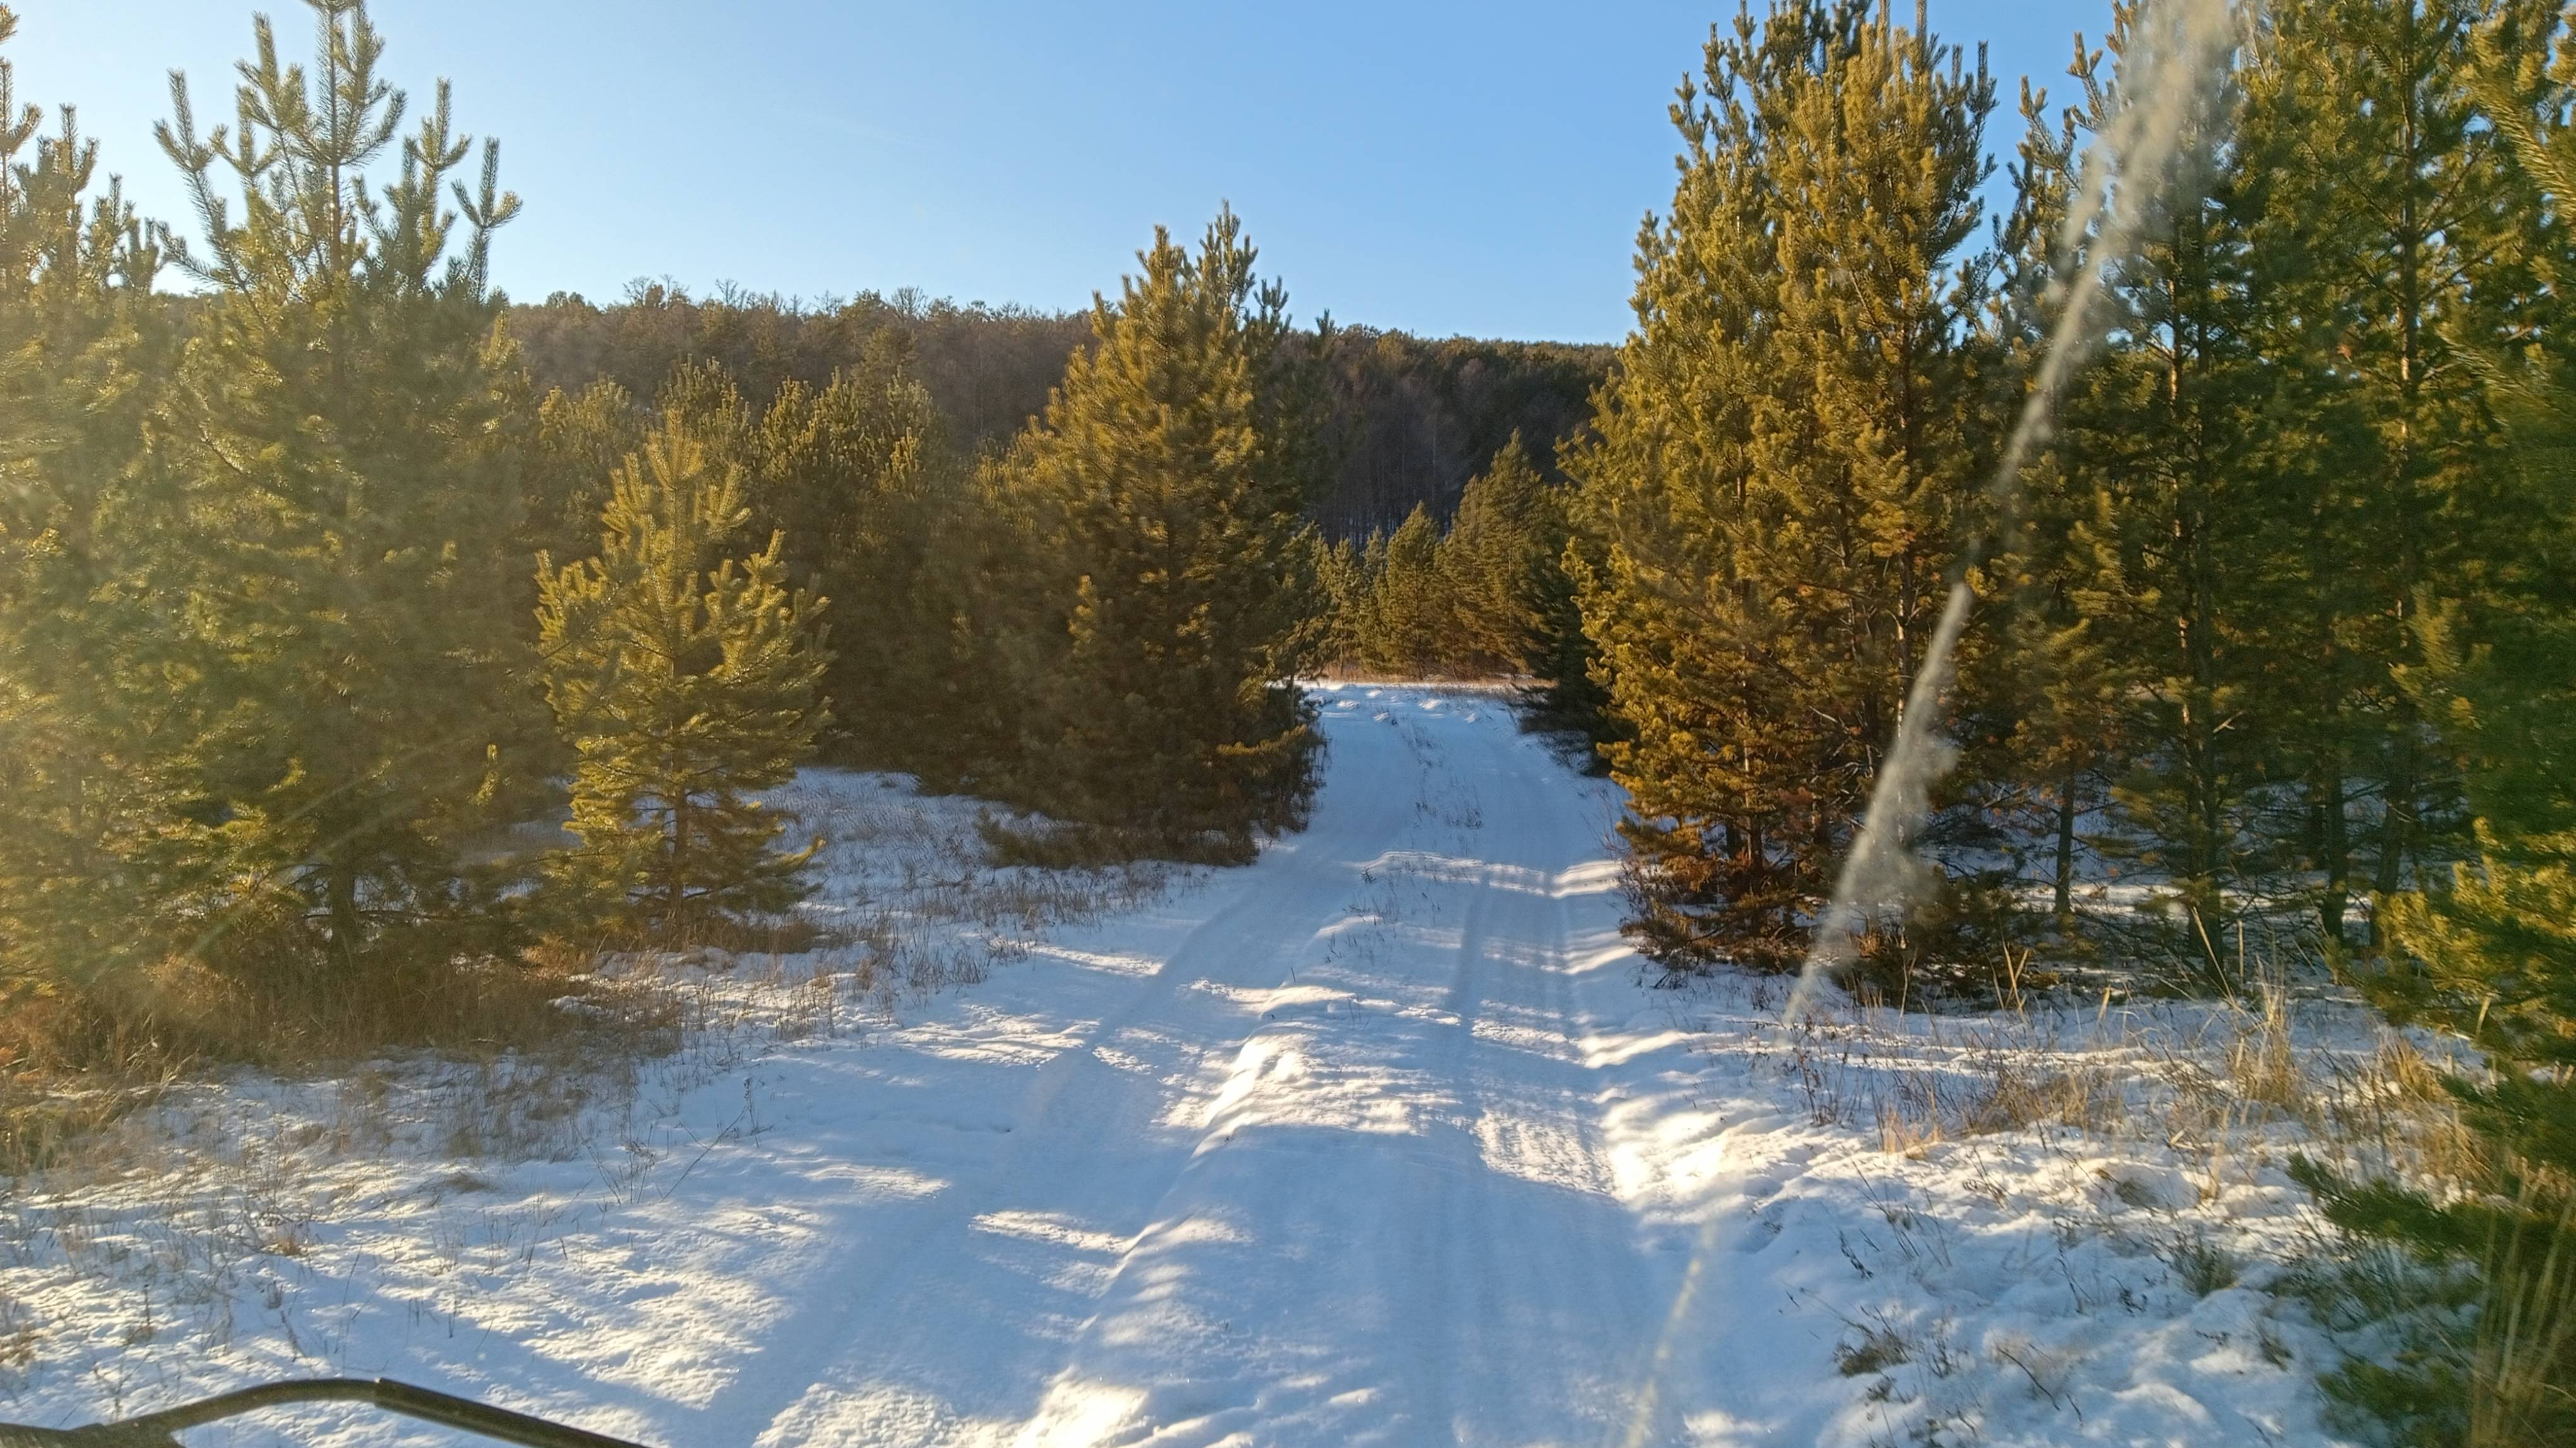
1448,168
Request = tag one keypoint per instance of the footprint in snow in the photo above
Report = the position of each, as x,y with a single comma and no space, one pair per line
1762,1233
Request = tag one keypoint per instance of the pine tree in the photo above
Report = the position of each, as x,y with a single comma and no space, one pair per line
2491,958
1786,461
2385,205
1370,643
344,426
685,678
580,439
1503,559
2183,440
858,477
1343,590
1415,621
2490,955
2065,711
83,343
1171,591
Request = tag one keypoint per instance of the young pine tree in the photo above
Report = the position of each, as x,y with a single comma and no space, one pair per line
1786,462
83,344
1341,590
1503,560
1366,625
1415,619
684,676
1171,587
858,477
581,437
343,428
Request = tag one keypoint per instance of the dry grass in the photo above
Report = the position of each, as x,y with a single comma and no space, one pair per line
1997,1078
2235,1087
75,1063
2480,1347
2262,1066
2388,1115
2526,1336
132,1171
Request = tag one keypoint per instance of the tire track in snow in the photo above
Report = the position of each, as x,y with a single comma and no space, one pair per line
1069,1104
1314,1155
1493,1292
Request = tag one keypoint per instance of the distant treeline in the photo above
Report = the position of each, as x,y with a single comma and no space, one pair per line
1409,420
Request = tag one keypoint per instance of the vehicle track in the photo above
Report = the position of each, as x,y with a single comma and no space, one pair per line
1314,1154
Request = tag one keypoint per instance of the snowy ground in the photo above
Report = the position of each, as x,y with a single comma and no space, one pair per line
1387,1139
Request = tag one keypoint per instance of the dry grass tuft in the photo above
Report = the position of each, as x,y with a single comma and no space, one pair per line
2018,1092
76,1062
1870,1349
2262,1067
2008,1079
2203,1266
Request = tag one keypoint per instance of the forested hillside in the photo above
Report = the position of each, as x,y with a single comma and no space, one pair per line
1409,419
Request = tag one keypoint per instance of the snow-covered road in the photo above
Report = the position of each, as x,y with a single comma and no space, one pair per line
1328,1151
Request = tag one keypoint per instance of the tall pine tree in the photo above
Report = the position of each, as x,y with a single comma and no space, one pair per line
2180,438
1169,591
342,422
2386,212
83,692
2064,700
2489,955
1787,461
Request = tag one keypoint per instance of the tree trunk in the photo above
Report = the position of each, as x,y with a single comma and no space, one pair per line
2066,813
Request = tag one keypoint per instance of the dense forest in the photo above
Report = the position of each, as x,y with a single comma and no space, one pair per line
2211,606
2271,627
1409,420
326,571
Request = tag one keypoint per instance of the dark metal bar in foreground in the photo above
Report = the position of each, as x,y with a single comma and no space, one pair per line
154,1430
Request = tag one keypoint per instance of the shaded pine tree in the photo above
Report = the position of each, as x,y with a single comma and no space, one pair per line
1169,592
859,478
581,437
1412,619
1487,596
2182,438
2388,229
2489,955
